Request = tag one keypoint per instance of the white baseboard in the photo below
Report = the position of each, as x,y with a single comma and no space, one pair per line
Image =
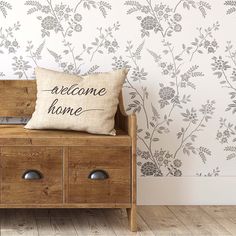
187,191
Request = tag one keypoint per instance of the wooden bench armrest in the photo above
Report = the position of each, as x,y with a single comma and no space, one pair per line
124,121
129,124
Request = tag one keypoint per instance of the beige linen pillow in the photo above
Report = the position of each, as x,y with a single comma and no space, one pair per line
71,102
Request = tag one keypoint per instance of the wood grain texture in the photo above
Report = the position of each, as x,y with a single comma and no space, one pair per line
132,213
114,161
89,222
16,135
117,219
65,174
66,205
17,97
15,161
132,217
152,220
162,221
223,215
65,158
55,226
18,222
129,124
54,222
197,221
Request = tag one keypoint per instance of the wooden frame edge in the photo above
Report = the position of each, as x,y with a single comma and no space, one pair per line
129,124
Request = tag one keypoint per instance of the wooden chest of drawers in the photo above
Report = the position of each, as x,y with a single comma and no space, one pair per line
90,175
17,161
64,169
83,162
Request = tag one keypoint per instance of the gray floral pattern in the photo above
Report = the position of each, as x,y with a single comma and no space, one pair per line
215,172
224,68
162,17
4,7
182,73
231,6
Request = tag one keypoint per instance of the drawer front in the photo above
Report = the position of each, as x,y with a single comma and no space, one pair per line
84,187
21,164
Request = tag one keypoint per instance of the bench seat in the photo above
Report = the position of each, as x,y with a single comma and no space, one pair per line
16,135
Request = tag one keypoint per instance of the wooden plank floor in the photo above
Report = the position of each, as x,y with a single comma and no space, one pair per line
152,220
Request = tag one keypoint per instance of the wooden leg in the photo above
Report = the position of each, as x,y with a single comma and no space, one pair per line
132,218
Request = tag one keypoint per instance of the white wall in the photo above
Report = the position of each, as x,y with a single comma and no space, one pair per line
187,191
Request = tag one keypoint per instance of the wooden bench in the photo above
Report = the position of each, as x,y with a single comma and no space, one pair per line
64,169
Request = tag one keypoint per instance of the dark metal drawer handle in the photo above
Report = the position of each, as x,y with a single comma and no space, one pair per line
32,175
98,175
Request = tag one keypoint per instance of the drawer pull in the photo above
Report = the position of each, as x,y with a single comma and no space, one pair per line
32,175
98,175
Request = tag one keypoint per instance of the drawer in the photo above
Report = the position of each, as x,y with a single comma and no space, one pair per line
83,185
17,162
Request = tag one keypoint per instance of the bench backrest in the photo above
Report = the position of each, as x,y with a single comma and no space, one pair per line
17,99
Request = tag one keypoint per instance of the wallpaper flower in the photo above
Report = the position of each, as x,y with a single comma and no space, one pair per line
182,60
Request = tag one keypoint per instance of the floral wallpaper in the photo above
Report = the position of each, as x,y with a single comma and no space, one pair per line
182,60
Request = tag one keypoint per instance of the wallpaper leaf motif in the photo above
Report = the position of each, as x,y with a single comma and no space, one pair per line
138,74
4,7
202,42
20,66
226,134
187,139
168,71
64,20
226,131
215,172
231,149
232,6
35,55
8,41
202,6
171,95
225,70
163,18
105,41
88,4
